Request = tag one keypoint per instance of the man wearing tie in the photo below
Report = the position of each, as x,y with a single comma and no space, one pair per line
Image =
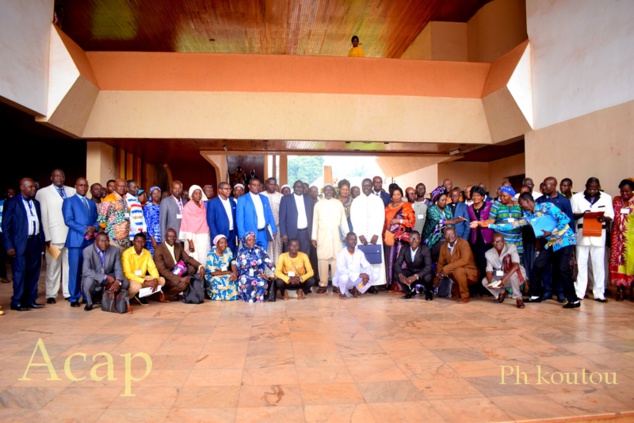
221,216
80,215
24,239
51,199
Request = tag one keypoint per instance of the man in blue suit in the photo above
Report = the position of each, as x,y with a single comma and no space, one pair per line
459,209
80,215
377,189
296,218
254,214
221,216
24,239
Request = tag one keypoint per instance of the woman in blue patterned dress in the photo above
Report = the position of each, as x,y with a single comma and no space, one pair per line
438,217
504,211
151,215
221,272
251,261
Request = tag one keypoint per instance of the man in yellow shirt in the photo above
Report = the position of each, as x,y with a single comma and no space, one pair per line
356,50
293,271
140,270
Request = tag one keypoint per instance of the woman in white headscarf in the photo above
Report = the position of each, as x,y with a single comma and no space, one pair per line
221,272
194,231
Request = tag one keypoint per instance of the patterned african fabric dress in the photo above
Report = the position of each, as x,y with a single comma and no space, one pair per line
220,288
434,224
252,282
405,212
151,213
622,249
504,214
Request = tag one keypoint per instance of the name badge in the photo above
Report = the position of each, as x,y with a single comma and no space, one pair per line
138,272
291,274
499,273
127,216
179,216
625,211
421,216
511,220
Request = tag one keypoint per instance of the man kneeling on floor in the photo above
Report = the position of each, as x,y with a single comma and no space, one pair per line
503,270
354,274
140,270
417,270
456,262
101,270
293,271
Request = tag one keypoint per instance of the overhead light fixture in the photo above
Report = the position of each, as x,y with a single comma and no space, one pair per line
454,152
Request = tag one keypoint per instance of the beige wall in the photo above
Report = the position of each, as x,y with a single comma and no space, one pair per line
500,170
497,27
464,173
582,57
427,175
599,144
100,162
25,31
440,41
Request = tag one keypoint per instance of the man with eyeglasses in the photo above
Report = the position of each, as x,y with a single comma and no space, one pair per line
221,216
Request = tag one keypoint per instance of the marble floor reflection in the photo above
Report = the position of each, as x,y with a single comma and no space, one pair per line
378,358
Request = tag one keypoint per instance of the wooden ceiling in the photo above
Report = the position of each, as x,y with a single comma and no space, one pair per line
385,28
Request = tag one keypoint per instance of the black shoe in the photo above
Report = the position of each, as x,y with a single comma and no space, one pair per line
574,304
429,296
373,290
36,305
601,300
74,303
561,298
88,307
547,296
140,300
19,308
50,301
534,299
408,295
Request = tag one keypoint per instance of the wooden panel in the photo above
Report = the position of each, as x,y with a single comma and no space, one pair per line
304,27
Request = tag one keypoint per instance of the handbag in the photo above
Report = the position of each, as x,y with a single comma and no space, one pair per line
373,253
444,288
195,292
402,234
115,302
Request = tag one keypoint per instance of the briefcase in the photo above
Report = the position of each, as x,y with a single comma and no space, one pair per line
373,252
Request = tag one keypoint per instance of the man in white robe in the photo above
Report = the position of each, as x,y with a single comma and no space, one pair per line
275,247
329,225
367,214
354,274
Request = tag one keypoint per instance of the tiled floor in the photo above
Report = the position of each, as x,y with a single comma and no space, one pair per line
374,359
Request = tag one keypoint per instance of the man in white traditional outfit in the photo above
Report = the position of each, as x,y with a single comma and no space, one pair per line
329,225
354,274
367,214
275,247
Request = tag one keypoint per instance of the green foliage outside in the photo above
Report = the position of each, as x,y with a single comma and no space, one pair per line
305,168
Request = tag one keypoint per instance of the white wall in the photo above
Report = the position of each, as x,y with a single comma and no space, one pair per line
582,56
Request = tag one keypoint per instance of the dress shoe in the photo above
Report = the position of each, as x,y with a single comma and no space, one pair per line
36,305
547,296
300,294
162,299
88,307
561,298
335,290
429,296
520,303
408,295
141,301
502,296
463,300
50,301
620,293
321,290
601,300
373,290
19,308
74,303
4,280
534,299
574,304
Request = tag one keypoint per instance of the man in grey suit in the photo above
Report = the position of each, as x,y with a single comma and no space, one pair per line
171,212
102,269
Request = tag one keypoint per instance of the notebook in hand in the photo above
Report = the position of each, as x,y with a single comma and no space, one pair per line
591,226
543,223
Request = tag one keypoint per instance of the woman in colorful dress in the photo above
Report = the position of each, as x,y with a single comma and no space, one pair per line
151,213
251,261
345,198
399,217
622,246
438,217
504,211
480,238
194,231
221,272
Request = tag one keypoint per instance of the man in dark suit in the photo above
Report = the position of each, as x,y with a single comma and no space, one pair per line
221,216
377,189
418,269
296,218
101,269
24,240
171,211
166,255
459,209
254,214
80,215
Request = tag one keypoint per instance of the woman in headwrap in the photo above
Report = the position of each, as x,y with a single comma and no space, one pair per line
438,217
221,272
399,217
194,231
151,213
286,190
504,211
251,261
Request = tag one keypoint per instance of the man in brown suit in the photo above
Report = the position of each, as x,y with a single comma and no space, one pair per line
457,263
166,255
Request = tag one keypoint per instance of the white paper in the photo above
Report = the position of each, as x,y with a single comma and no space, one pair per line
144,292
421,216
625,211
291,274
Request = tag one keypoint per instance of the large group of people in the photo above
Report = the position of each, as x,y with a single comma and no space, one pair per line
249,243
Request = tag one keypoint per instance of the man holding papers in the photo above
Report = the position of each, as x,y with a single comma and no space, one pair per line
558,249
591,208
140,270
